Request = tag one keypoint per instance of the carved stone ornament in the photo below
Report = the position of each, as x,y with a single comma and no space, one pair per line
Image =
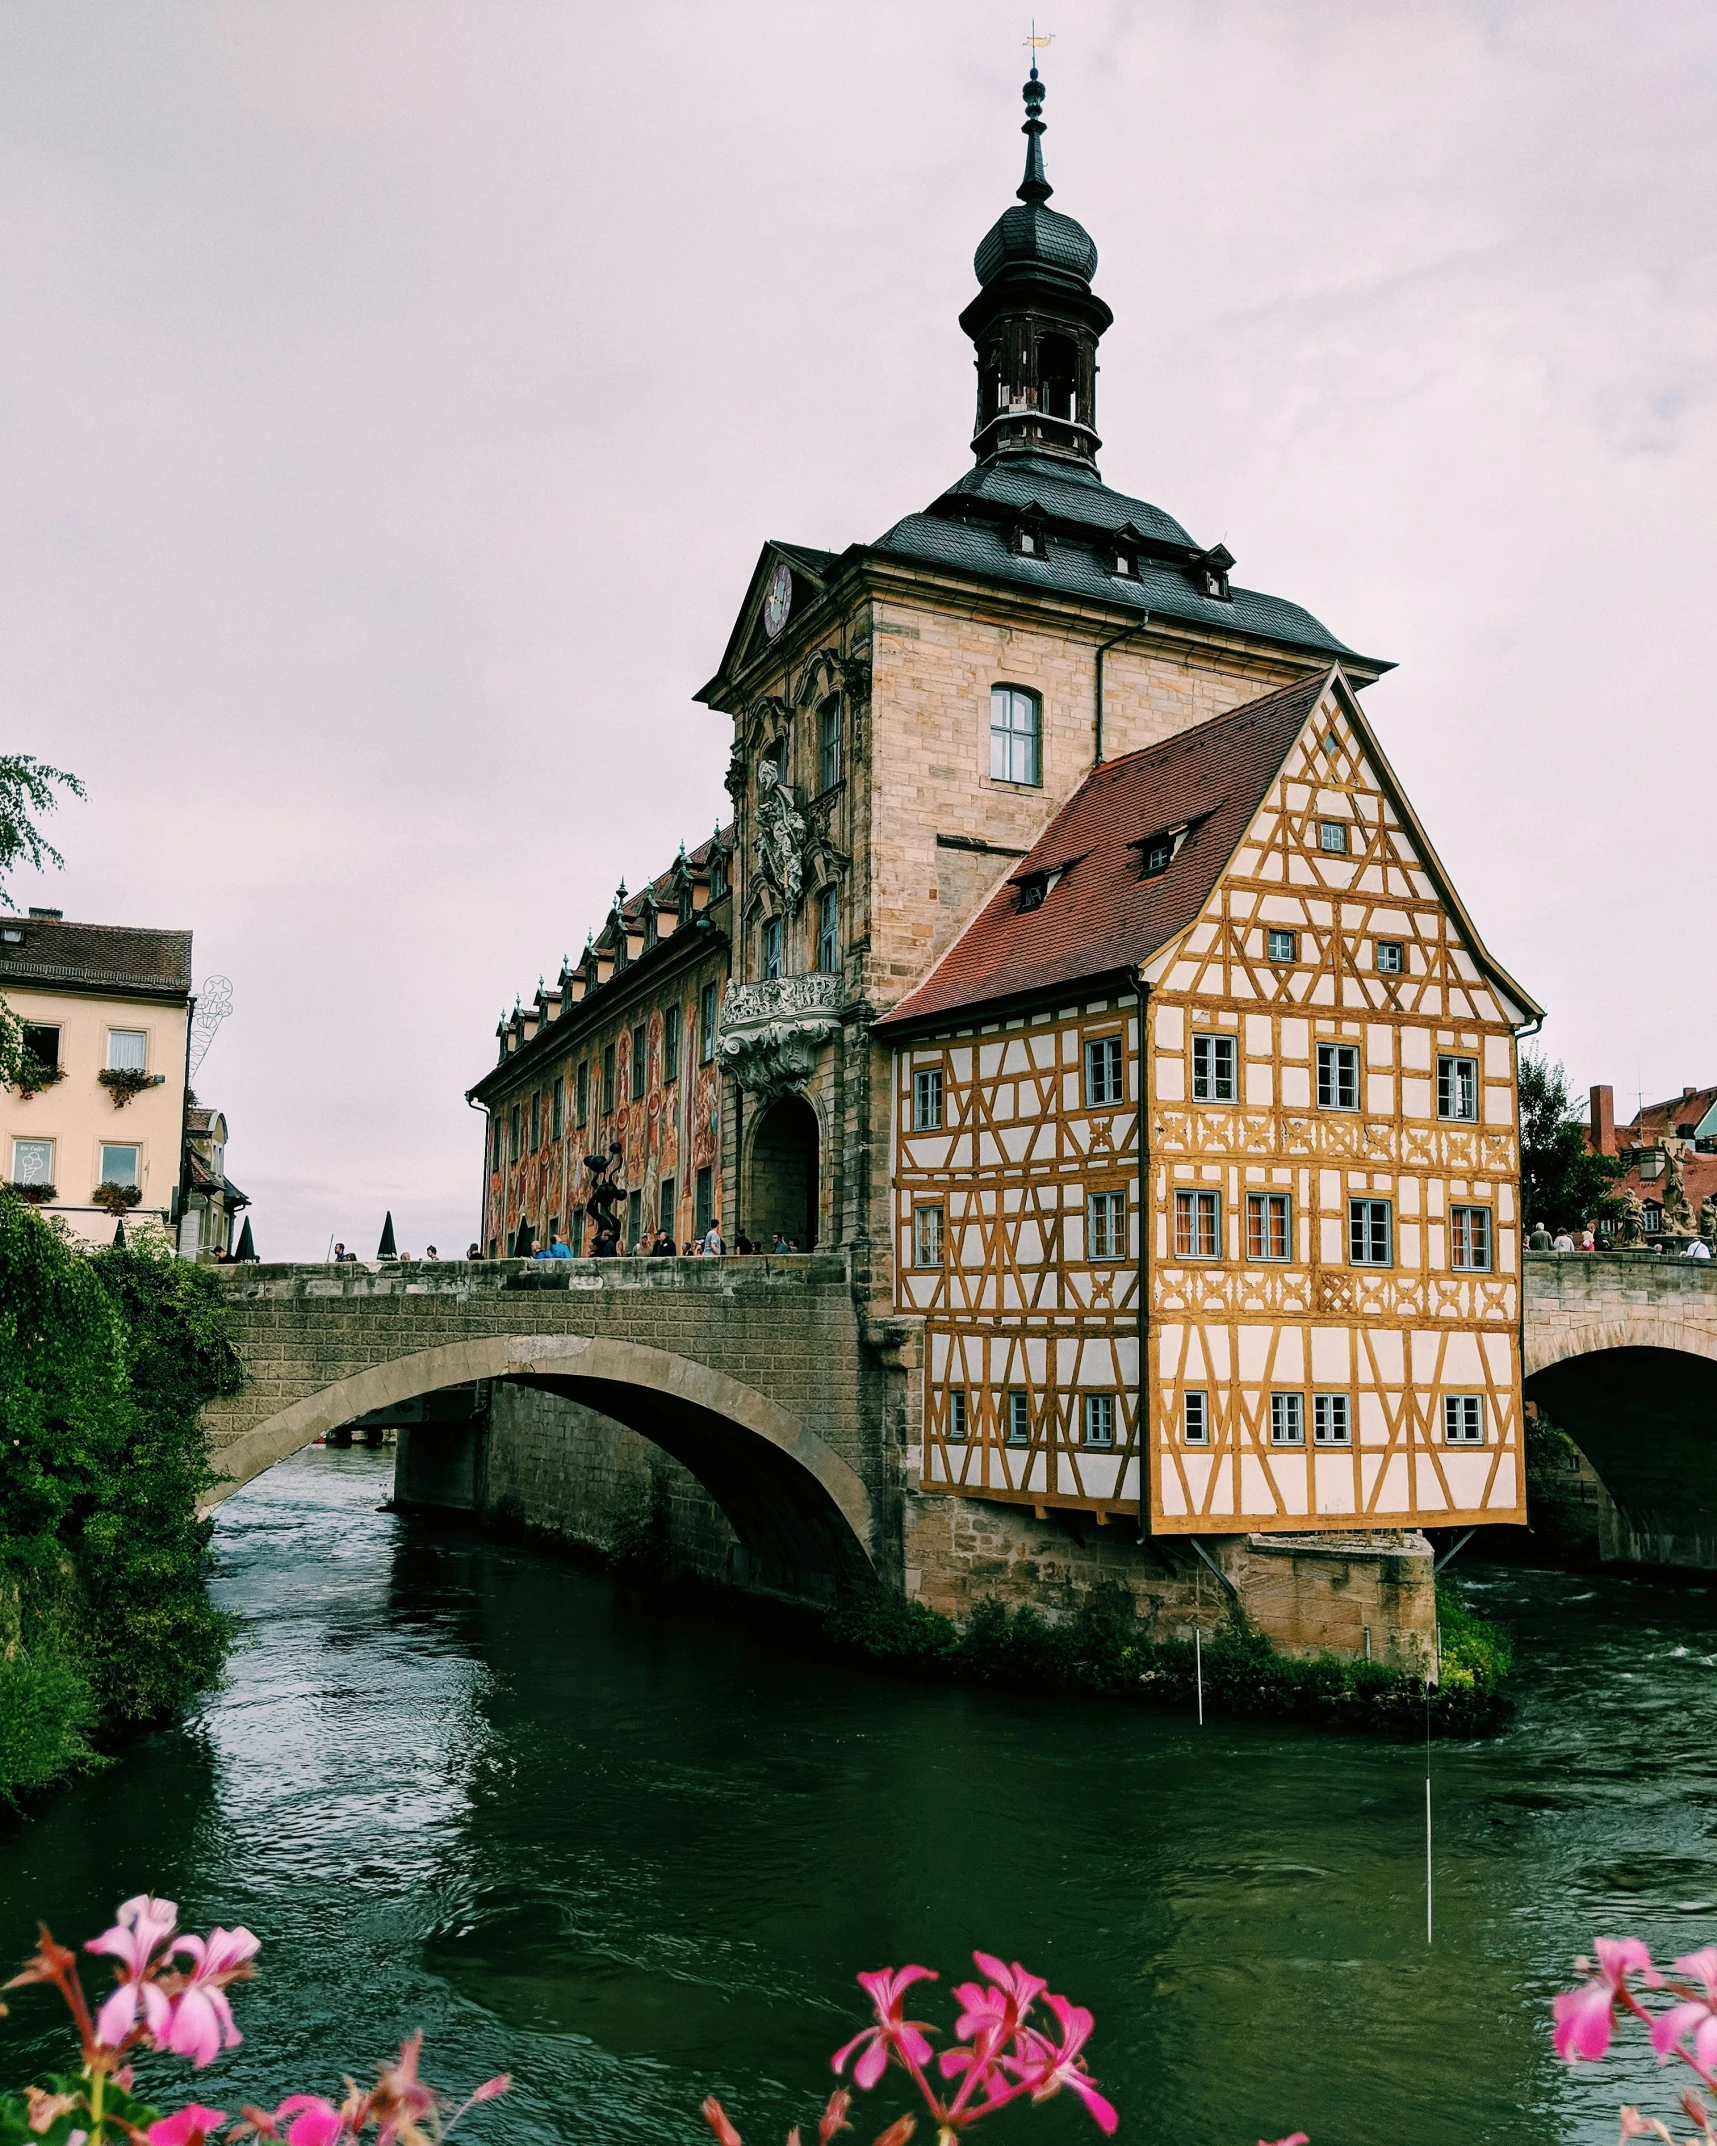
1630,1231
1708,1219
780,835
1677,1211
771,1032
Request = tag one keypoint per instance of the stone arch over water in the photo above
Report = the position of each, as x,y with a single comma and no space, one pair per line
1637,1393
801,1510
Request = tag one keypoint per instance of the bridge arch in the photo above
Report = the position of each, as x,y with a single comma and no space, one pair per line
802,1510
1637,1392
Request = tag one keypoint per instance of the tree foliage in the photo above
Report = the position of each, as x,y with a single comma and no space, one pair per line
27,787
105,1361
1562,1182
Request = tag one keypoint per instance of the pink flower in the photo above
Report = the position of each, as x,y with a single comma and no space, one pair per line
1584,2017
886,1988
141,1927
202,2017
315,2120
1003,2004
185,2129
1046,2066
1294,2138
1695,2016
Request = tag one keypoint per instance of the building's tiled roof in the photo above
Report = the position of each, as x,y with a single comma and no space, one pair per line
1074,568
1698,1177
1101,916
96,957
1656,1120
970,527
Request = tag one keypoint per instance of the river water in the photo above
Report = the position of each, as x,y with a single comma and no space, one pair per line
638,1857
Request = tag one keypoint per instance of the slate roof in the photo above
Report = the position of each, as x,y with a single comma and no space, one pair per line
970,528
1101,917
96,957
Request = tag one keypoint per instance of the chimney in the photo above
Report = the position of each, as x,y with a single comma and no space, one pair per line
1603,1128
1686,1092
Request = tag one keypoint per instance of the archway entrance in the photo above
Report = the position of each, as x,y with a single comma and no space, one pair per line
782,1185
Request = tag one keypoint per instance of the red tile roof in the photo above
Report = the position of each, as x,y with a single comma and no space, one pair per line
1100,916
96,957
1658,1119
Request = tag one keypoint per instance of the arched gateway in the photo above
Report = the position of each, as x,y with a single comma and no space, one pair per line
726,1366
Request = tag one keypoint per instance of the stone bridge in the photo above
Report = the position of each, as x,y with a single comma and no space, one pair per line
1621,1353
769,1382
759,1375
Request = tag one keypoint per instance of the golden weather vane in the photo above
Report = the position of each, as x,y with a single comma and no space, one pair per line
1037,43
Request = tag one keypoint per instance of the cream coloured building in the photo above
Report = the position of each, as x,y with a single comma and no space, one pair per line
98,1129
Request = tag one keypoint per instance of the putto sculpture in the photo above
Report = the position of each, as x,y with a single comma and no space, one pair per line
780,834
602,1202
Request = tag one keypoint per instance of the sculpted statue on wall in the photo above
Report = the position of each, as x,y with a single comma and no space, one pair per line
1708,1219
602,1202
780,835
1677,1211
1630,1232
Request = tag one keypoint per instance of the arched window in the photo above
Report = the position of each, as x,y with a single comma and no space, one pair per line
1015,735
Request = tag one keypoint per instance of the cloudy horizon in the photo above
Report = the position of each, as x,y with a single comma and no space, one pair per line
396,397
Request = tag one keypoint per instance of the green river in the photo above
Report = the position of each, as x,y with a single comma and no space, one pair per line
638,1857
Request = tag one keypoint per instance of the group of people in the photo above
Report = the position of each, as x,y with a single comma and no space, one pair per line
1584,1241
711,1245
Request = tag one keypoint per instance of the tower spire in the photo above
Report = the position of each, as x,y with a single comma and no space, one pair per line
1034,187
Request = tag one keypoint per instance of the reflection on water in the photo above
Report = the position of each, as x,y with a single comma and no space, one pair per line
637,1859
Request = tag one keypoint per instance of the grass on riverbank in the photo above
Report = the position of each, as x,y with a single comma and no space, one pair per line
1102,1649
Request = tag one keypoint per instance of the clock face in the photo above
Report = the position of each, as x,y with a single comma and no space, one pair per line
778,600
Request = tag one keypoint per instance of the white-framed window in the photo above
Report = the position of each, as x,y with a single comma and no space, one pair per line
1198,1225
127,1050
1195,1417
1469,1238
1019,1416
1332,1419
709,1006
1287,1419
1463,1419
1458,1089
1213,1069
829,742
772,949
1100,1421
1269,1226
927,1236
1391,955
828,931
1106,1225
32,1162
1105,1079
1284,945
1016,719
42,1044
1370,1234
927,1100
119,1164
1332,837
957,1416
1338,1076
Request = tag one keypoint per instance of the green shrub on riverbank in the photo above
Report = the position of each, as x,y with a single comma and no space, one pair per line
1103,1648
105,1361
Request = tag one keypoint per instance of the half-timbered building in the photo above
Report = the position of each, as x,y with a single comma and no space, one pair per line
1207,1177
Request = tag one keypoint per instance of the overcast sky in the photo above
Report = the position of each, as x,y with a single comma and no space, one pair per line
395,398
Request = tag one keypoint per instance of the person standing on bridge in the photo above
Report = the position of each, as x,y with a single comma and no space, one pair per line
1697,1248
1539,1241
713,1245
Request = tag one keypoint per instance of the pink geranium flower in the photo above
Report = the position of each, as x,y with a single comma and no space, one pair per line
886,1988
1694,2016
141,1927
187,2128
1585,2017
1047,2066
202,2017
315,2120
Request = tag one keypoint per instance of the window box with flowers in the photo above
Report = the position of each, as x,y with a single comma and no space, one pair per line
34,1076
123,1082
38,1195
116,1198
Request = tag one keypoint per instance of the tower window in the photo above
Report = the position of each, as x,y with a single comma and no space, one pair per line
1030,542
1016,721
1127,563
1058,378
829,742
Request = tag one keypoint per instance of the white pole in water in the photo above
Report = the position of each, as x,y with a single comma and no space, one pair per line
1198,1664
1427,1859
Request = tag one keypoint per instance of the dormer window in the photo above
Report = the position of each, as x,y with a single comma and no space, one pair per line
717,876
1036,886
1211,570
1159,851
1029,541
1127,563
11,935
